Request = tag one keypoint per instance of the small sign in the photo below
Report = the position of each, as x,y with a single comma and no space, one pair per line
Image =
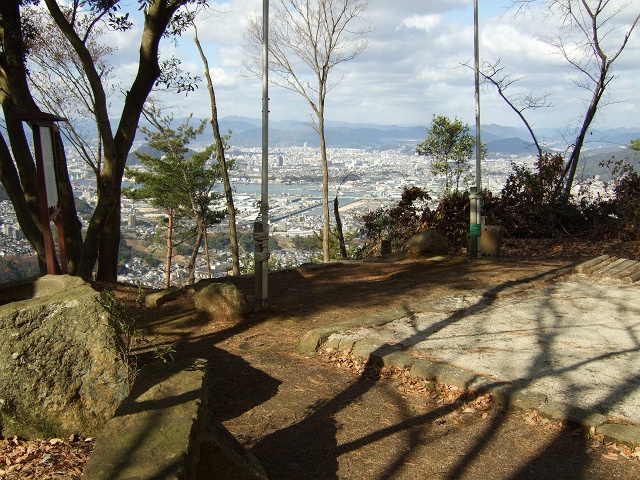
49,166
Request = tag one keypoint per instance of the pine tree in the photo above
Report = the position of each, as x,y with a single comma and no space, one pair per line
179,182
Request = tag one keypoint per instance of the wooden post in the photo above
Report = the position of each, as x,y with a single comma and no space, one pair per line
42,126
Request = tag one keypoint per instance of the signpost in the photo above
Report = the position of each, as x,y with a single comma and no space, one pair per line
46,142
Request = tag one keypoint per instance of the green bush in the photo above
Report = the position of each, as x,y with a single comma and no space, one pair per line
529,206
396,224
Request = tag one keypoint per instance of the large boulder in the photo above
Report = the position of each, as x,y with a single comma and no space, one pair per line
60,371
427,242
220,301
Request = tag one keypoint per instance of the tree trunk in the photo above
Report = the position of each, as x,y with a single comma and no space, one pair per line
19,178
206,252
572,164
194,256
110,245
326,231
167,275
220,155
29,226
336,212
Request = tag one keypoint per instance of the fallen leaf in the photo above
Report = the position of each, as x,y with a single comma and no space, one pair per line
611,456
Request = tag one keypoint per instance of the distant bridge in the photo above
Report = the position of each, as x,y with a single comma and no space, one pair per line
349,206
294,213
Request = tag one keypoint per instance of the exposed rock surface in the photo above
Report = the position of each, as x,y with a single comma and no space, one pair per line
220,301
164,430
157,299
60,372
428,241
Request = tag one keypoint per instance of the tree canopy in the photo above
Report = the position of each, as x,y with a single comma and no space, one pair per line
451,146
98,243
180,181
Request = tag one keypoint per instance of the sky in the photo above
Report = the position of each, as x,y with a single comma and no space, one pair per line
413,67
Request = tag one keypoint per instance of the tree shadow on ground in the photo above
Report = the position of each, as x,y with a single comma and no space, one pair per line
312,446
562,458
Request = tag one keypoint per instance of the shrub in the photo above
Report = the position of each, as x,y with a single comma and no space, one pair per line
529,206
619,216
450,218
396,224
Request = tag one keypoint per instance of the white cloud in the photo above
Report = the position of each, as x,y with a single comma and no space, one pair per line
410,70
422,22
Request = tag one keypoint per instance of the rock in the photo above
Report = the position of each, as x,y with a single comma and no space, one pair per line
428,241
221,301
60,371
222,457
165,429
157,299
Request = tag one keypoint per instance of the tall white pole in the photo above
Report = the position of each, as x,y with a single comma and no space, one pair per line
262,227
478,140
477,82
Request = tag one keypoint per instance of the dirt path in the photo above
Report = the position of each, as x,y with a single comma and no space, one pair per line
331,417
328,418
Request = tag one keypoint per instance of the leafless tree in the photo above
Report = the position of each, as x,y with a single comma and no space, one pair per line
591,37
58,81
307,39
493,73
220,155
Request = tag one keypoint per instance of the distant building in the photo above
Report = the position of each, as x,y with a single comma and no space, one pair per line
12,232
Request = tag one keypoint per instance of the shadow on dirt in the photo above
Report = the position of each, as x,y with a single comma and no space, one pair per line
309,448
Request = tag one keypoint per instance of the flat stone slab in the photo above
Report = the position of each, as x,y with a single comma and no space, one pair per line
575,339
156,431
565,346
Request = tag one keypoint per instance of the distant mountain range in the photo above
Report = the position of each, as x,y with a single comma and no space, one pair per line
500,140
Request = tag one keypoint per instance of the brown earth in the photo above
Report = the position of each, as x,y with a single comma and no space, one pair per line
329,416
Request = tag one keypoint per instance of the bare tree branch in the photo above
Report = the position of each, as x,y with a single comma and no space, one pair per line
307,40
580,41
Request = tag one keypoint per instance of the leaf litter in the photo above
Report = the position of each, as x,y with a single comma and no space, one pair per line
464,402
41,459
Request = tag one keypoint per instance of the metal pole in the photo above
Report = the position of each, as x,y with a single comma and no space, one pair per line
262,231
478,141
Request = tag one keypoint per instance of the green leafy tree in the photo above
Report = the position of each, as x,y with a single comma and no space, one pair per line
635,144
451,147
78,21
180,183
